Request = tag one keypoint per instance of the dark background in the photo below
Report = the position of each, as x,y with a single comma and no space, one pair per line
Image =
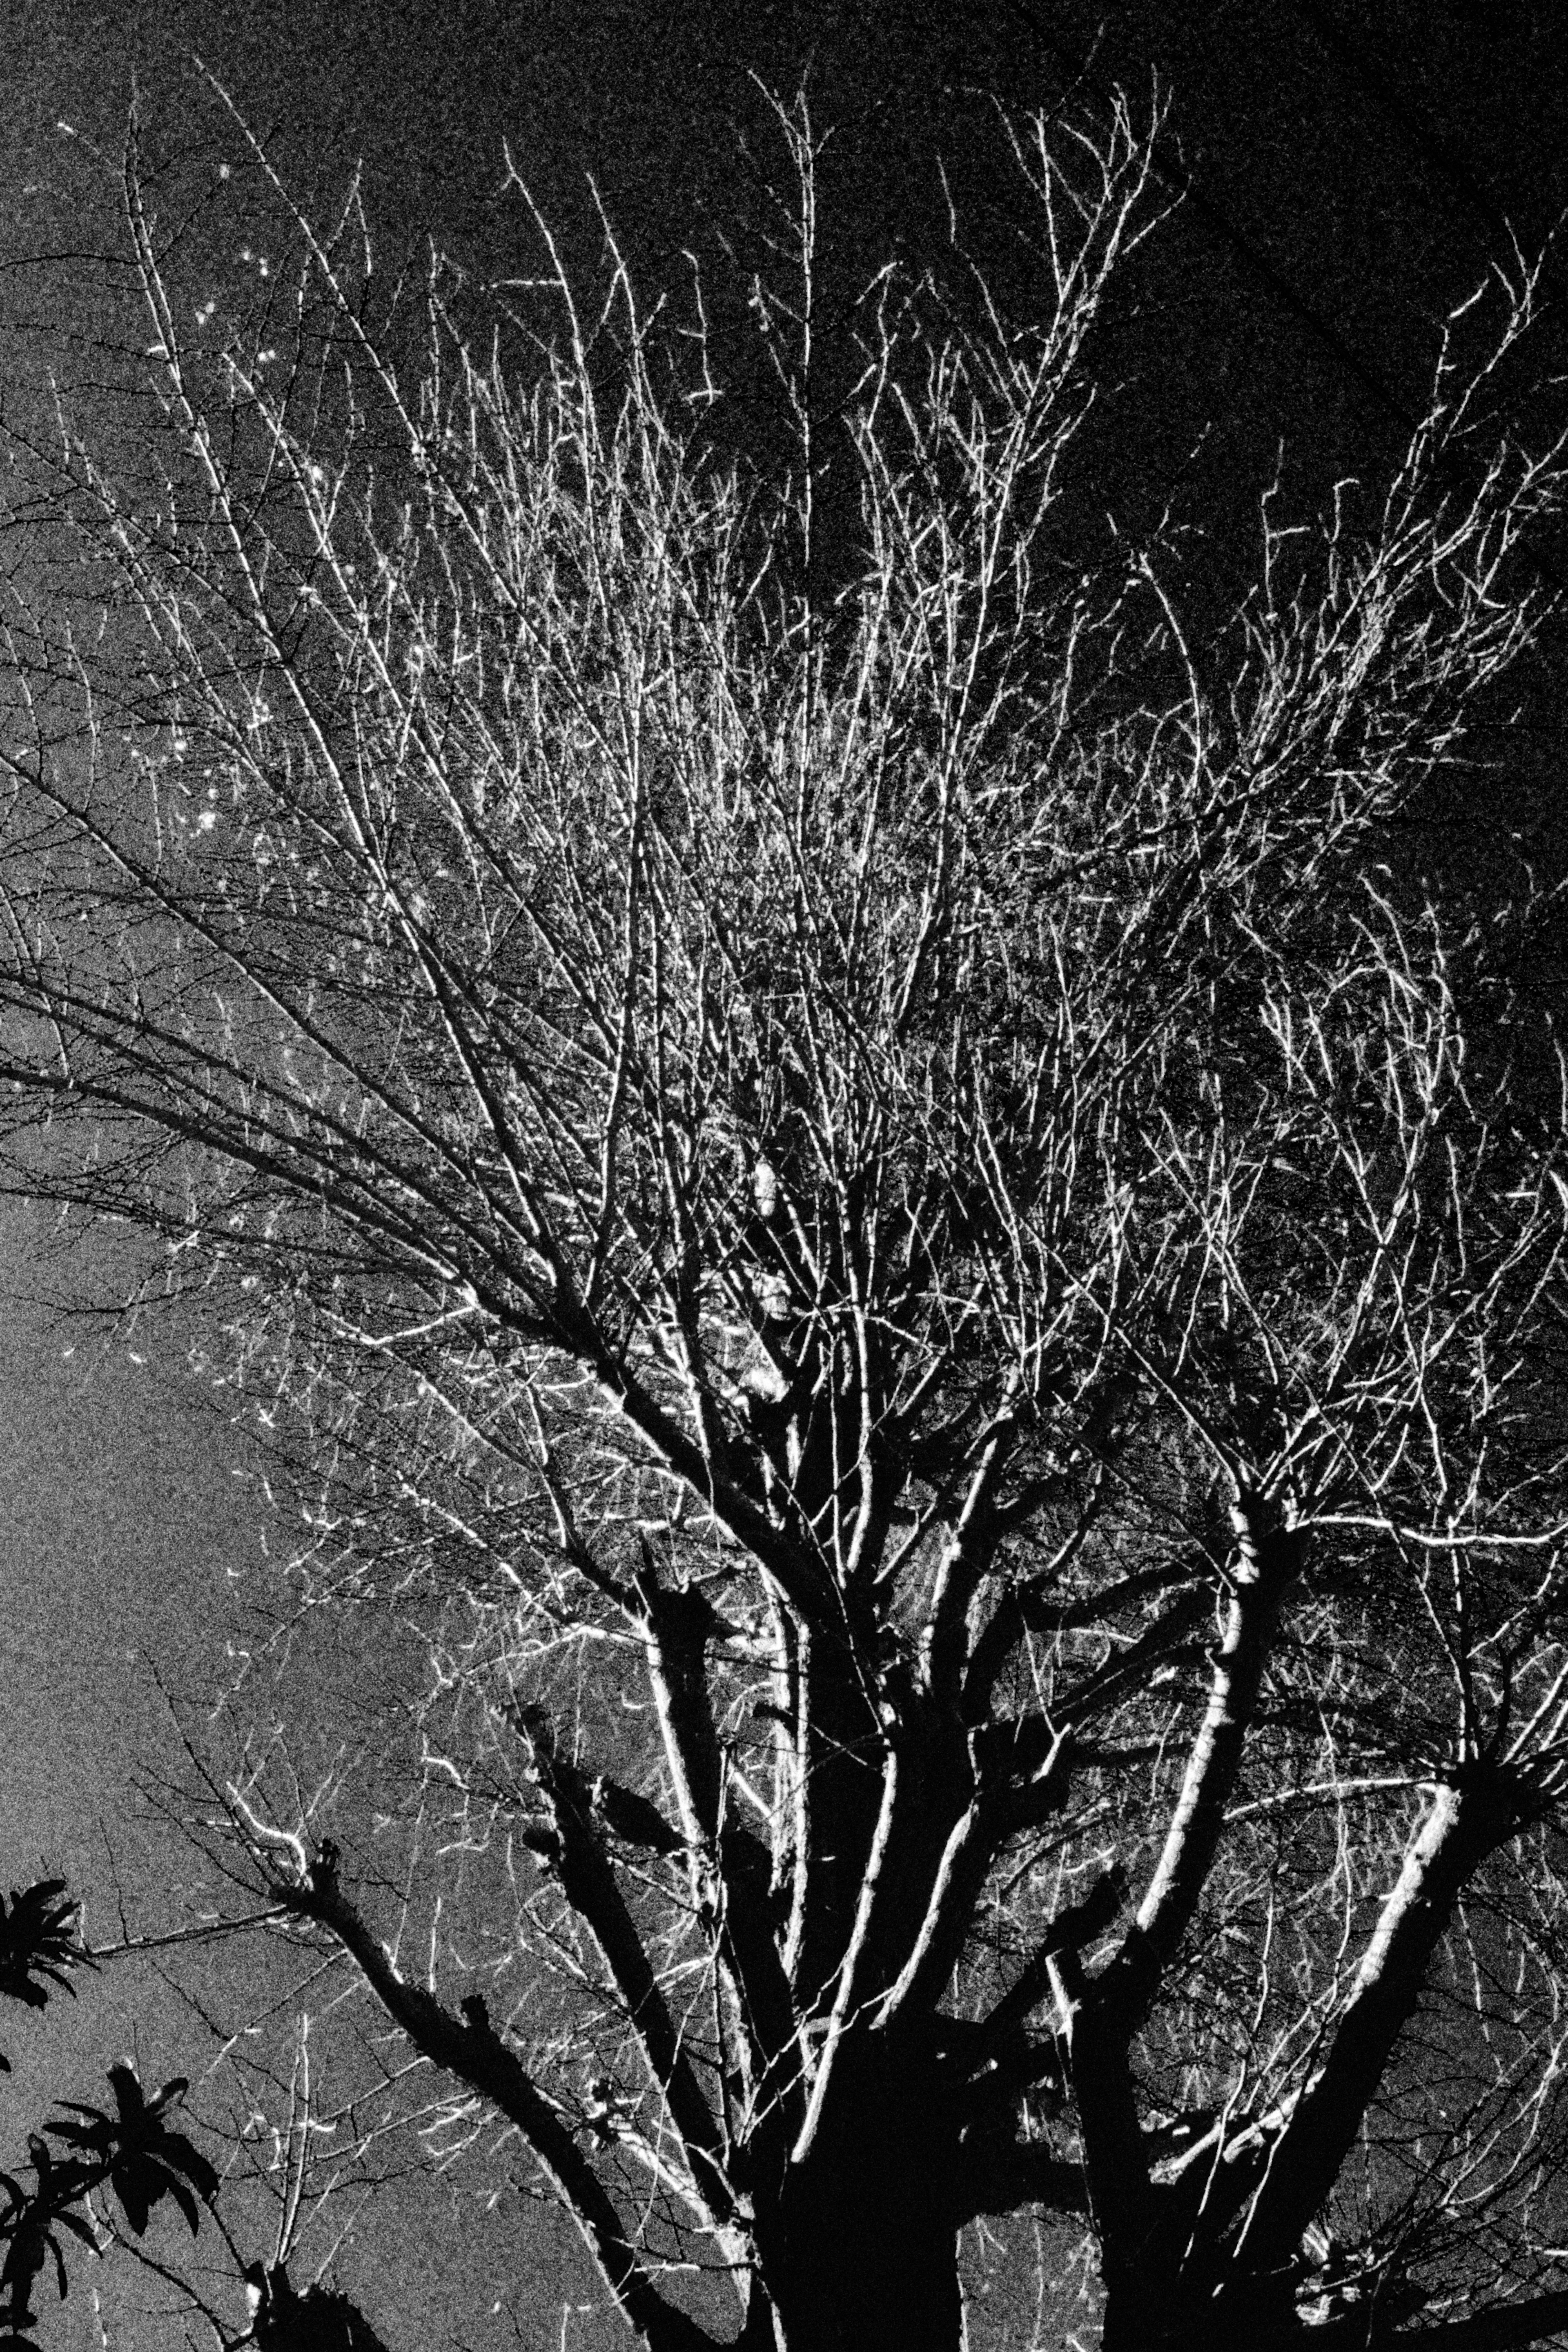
1351,172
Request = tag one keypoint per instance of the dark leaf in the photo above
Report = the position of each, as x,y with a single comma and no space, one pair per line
180,2155
172,2185
79,2228
128,2090
137,2186
39,1942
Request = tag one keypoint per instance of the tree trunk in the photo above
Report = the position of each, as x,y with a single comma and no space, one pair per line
1158,2311
861,2252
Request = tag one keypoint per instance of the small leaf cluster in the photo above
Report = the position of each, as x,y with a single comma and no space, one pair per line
131,2152
37,1944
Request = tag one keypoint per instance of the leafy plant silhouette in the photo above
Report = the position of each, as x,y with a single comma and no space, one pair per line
128,2150
131,2151
38,1944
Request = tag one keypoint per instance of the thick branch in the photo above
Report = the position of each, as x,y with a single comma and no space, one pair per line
1115,2163
478,2056
808,1594
965,1558
966,1858
1077,1924
1037,1607
676,1627
1501,2329
1267,1563
1011,2176
1465,1825
589,1884
677,1624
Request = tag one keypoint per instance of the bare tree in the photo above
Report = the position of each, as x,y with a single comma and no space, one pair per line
868,1189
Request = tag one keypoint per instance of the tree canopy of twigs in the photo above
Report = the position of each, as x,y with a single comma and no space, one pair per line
859,1175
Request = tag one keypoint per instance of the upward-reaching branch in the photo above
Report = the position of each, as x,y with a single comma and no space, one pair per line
1267,1564
476,2054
